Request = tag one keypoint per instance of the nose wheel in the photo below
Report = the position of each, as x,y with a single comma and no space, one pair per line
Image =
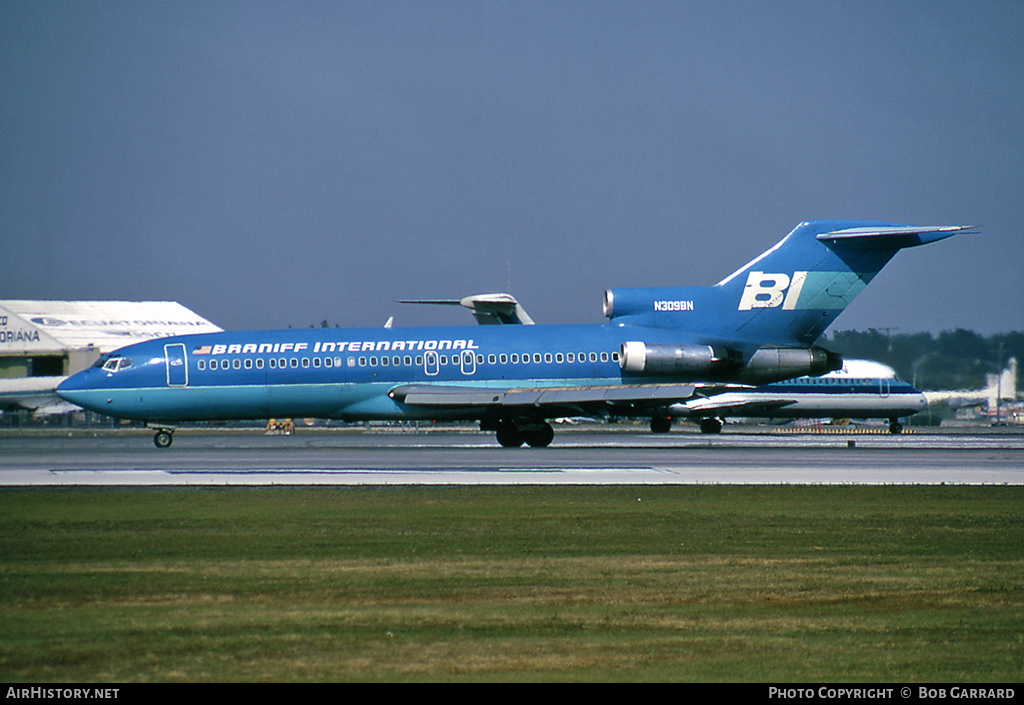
163,438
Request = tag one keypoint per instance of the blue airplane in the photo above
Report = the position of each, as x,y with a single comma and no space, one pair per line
660,347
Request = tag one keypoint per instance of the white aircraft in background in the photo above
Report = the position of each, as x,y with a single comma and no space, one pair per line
861,389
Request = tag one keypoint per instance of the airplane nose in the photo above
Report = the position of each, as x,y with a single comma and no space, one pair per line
75,389
68,388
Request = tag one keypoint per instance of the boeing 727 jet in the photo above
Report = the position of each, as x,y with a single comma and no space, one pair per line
659,349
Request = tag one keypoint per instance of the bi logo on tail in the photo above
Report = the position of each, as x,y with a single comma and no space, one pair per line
770,290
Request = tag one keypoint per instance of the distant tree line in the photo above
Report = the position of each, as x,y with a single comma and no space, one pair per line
953,359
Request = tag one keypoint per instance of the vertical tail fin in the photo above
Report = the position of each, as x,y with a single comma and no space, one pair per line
795,290
789,294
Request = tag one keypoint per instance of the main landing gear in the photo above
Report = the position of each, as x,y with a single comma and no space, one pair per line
710,425
661,424
512,434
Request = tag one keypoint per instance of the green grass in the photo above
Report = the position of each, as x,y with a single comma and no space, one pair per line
658,583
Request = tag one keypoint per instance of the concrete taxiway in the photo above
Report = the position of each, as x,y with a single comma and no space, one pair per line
578,456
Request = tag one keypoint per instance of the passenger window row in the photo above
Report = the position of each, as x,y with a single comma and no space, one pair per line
260,363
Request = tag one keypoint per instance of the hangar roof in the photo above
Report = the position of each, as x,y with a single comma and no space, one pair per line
33,327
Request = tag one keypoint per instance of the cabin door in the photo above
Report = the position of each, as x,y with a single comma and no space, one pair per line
177,367
431,363
468,362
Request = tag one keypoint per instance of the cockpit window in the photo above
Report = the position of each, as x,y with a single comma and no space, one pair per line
117,363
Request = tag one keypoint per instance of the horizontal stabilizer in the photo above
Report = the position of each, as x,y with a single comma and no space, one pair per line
488,309
896,235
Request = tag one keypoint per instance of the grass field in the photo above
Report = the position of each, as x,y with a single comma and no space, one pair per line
653,583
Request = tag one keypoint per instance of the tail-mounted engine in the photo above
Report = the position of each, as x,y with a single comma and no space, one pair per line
704,361
774,364
716,364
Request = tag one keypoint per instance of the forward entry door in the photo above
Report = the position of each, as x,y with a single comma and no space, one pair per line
177,367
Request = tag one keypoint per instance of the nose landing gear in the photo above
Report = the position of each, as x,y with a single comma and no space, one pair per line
163,437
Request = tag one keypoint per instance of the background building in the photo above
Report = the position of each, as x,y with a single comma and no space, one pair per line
41,342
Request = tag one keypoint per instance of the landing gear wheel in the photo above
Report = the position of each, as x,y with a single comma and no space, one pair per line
710,426
508,435
895,427
540,437
163,439
661,424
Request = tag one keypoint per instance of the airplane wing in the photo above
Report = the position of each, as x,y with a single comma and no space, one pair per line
34,394
726,406
487,309
552,401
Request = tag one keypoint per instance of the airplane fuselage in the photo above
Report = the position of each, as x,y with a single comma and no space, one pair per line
345,373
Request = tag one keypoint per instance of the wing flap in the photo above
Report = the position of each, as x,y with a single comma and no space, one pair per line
455,396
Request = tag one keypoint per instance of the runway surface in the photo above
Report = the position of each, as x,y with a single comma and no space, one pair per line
594,456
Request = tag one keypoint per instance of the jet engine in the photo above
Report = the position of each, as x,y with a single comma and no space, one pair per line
770,364
678,360
711,363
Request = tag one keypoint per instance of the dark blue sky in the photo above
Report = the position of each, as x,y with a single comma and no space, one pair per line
281,163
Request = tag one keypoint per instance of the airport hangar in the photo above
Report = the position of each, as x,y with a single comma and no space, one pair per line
42,342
